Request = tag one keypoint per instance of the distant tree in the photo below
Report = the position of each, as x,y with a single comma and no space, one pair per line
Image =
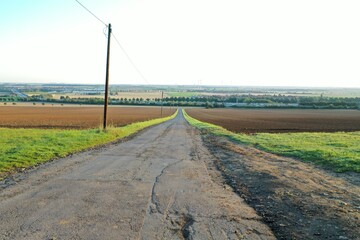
209,105
248,100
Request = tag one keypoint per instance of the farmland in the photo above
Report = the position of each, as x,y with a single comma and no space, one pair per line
338,151
74,117
280,120
253,159
129,95
22,148
71,129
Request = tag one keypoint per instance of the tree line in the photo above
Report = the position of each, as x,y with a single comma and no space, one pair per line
241,101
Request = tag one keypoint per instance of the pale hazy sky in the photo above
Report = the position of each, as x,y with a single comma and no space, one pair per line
212,42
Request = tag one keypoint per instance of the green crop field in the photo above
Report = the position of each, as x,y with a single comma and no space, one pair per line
22,148
182,94
340,151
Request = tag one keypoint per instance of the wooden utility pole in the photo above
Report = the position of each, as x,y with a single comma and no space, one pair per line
106,102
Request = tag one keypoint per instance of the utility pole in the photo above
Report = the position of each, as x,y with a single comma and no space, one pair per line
106,102
162,96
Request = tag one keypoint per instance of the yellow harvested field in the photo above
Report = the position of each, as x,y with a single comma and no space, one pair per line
130,95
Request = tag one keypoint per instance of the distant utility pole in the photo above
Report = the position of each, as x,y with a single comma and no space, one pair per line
106,102
162,96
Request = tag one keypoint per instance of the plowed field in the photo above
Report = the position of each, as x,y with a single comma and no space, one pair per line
80,117
279,120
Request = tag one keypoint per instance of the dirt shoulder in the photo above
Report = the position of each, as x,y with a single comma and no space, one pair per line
297,200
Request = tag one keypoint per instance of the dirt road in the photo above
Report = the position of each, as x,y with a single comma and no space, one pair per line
154,186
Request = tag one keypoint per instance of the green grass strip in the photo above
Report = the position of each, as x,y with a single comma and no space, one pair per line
22,148
338,151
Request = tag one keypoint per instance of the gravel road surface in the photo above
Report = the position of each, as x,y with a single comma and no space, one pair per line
155,186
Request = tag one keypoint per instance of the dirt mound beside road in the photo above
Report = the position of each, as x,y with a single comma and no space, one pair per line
296,199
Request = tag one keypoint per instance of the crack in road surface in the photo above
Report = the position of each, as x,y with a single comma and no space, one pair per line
154,186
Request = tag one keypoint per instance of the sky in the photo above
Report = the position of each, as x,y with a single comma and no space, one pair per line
313,43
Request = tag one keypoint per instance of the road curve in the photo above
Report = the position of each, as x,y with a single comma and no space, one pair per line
154,186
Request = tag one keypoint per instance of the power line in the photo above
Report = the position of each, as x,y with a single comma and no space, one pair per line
117,41
130,60
91,13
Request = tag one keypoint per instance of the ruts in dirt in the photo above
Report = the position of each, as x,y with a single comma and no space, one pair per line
297,200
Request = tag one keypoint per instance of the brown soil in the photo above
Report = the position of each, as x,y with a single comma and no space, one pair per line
297,200
280,120
80,117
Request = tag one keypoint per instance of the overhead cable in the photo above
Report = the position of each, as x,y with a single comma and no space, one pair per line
128,57
91,13
117,41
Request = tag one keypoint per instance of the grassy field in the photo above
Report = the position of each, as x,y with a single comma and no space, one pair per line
128,95
192,94
340,151
22,148
182,94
